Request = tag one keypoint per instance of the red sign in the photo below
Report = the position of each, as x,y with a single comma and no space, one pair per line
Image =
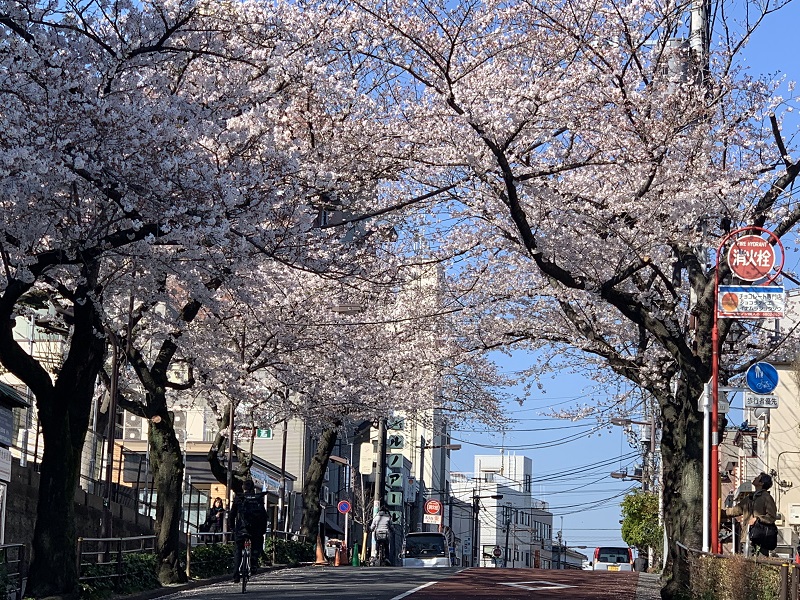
751,257
433,507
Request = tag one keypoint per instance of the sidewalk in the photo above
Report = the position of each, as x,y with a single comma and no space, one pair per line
648,587
190,585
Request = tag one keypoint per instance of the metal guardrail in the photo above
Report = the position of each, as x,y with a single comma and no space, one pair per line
12,569
109,554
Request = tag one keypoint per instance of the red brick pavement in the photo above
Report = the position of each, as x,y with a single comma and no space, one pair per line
532,584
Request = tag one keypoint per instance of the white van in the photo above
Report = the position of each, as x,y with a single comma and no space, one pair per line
423,549
612,559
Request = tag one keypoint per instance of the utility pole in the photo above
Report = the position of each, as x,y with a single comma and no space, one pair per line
421,485
229,474
107,529
507,514
475,509
699,46
282,484
380,473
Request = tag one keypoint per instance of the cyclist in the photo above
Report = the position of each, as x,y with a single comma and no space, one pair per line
382,526
247,519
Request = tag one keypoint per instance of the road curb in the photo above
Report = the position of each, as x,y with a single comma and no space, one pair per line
648,586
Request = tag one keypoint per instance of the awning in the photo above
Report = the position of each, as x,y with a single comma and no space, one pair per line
11,397
332,526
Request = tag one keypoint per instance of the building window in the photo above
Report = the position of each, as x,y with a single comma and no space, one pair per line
527,483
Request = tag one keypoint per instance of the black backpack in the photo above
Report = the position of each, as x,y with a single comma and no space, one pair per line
252,513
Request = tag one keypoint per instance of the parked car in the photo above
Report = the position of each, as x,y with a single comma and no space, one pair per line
608,558
424,549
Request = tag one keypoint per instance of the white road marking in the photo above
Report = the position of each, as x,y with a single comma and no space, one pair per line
416,589
539,585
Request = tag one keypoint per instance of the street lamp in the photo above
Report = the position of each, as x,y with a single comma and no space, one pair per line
623,474
475,509
420,487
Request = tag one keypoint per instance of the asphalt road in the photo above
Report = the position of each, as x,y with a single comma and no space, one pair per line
345,583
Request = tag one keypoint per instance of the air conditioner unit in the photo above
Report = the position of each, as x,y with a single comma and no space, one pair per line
787,537
794,514
133,427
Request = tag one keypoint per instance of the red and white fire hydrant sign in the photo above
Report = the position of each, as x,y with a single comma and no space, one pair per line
751,257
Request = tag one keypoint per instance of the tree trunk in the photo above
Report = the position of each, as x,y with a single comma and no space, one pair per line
313,483
63,412
53,570
682,456
168,468
220,446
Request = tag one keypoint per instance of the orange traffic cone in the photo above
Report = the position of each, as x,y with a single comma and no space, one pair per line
321,560
337,559
345,556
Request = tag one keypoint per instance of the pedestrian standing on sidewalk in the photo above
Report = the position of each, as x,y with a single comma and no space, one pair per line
758,514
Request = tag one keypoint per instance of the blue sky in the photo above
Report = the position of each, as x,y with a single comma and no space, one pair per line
571,466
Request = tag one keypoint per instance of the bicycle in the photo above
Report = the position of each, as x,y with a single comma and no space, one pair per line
380,554
244,564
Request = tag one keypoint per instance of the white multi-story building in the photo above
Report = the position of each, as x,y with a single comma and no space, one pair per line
509,526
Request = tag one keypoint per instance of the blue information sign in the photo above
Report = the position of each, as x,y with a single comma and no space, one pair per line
762,378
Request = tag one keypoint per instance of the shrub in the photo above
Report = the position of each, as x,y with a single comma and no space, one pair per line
209,560
734,578
138,574
289,552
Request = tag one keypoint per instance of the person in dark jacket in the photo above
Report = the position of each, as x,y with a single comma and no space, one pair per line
215,516
248,519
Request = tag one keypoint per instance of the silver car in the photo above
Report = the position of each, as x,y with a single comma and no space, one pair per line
422,549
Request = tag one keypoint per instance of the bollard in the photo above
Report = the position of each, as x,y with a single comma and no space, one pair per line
356,559
795,582
784,591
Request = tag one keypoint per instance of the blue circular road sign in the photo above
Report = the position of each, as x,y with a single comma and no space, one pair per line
762,378
344,506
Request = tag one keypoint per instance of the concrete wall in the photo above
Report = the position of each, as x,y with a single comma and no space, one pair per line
21,504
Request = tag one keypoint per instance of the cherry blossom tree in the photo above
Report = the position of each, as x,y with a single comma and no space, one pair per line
593,161
84,173
145,129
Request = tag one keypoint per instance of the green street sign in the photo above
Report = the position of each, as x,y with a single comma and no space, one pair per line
264,434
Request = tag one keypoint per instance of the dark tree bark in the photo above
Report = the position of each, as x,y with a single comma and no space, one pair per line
167,463
63,409
682,456
313,483
165,448
244,459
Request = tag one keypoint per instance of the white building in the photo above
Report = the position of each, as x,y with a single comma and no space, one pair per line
510,527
